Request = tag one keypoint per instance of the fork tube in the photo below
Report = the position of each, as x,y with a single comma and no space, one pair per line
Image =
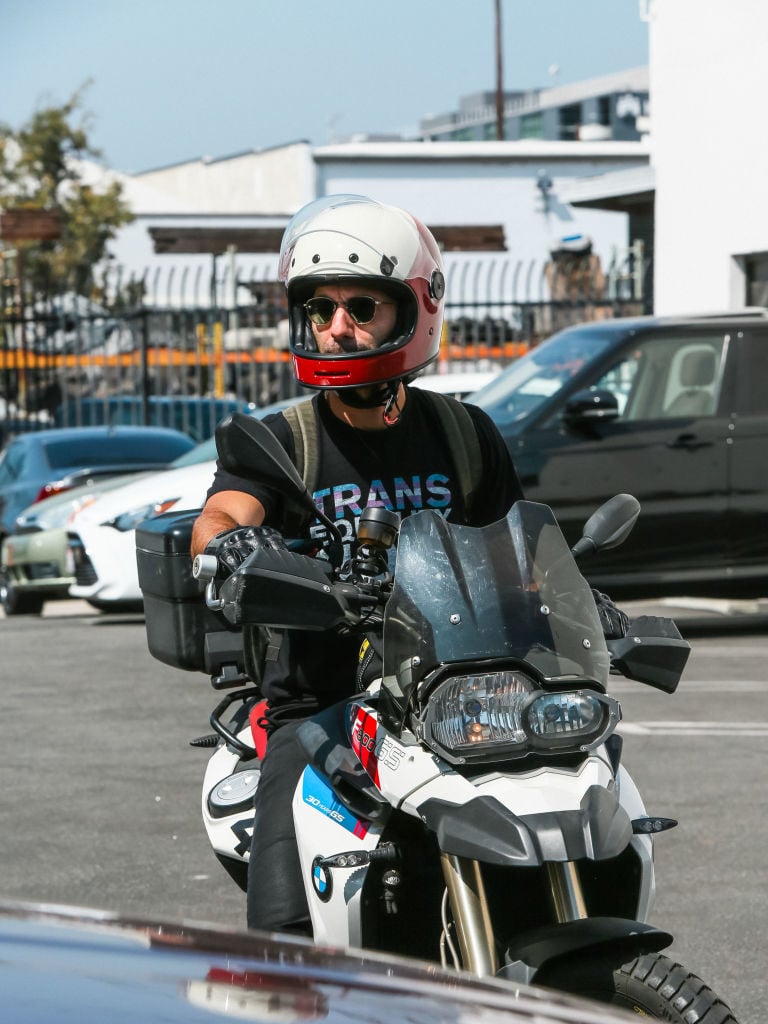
566,891
470,912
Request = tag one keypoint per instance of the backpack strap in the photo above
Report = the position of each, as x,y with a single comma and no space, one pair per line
463,442
302,420
303,423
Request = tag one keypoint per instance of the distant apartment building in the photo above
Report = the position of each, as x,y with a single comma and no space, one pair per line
612,107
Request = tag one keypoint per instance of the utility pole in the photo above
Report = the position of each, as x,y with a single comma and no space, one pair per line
499,75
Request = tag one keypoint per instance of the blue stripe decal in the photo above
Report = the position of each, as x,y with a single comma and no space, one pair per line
316,792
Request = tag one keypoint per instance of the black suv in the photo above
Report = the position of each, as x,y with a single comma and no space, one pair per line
672,410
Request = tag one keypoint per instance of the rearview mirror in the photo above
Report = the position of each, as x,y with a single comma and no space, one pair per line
609,526
249,449
590,406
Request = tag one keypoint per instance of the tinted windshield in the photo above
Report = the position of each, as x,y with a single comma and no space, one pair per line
509,590
536,376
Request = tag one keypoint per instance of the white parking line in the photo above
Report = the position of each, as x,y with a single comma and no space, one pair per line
740,729
721,685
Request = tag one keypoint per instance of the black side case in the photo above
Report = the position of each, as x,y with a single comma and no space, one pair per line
181,630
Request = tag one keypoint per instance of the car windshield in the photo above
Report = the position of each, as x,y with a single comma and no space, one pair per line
536,376
206,450
203,452
115,450
509,590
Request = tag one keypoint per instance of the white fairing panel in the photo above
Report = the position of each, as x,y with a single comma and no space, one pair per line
325,827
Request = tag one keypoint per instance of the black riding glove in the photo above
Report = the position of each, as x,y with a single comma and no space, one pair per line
613,620
233,546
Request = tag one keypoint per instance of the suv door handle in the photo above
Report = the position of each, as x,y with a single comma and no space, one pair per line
688,441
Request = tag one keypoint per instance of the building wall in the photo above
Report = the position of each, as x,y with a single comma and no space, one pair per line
265,182
709,78
445,188
445,184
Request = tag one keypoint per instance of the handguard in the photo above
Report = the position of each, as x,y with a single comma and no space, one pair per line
276,587
652,652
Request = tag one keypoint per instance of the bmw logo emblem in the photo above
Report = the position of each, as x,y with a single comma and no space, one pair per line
321,880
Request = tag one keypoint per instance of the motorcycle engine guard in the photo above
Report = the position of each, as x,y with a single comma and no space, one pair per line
539,949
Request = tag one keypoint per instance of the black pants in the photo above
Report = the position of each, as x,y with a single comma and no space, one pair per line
276,898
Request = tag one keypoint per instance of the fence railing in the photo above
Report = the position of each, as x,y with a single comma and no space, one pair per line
125,356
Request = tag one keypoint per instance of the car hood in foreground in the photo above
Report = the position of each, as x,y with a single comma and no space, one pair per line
67,964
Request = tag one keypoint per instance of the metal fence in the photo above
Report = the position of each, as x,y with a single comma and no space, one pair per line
182,347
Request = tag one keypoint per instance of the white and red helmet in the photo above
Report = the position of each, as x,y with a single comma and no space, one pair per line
348,238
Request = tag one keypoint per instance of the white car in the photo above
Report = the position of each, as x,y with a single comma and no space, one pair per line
457,383
102,538
102,542
102,535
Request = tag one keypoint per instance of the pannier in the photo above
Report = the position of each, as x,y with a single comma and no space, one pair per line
181,630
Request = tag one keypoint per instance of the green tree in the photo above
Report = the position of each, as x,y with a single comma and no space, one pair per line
40,170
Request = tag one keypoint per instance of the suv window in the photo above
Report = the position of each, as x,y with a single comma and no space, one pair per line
752,393
667,376
534,378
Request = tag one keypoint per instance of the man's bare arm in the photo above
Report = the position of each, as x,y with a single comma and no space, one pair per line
225,510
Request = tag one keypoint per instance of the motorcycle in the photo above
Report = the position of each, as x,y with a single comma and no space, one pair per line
469,805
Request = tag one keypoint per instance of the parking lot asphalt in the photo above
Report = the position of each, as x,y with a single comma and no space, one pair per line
684,610
102,806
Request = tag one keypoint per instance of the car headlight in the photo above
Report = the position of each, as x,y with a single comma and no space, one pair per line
496,716
130,520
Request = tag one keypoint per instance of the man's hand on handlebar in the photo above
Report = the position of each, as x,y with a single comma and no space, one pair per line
232,547
614,621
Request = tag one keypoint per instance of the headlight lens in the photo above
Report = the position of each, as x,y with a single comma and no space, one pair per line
502,715
468,711
571,715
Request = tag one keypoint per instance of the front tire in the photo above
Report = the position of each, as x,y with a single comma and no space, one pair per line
651,986
15,603
116,607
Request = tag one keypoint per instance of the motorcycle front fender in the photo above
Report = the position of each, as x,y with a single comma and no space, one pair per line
537,951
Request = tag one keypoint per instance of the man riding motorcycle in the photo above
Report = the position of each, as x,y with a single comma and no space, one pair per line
365,292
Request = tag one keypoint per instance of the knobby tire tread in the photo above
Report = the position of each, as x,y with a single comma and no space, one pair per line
685,992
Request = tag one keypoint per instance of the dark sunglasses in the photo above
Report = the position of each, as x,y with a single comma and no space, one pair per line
362,309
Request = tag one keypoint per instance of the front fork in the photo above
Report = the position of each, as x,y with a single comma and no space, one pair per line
566,892
471,915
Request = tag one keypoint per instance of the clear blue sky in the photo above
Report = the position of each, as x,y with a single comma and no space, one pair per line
177,79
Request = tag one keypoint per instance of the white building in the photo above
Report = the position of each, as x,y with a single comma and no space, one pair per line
709,79
495,206
704,190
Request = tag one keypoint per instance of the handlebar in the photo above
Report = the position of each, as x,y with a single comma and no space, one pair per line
283,589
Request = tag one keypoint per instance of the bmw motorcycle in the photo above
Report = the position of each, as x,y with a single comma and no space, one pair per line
470,805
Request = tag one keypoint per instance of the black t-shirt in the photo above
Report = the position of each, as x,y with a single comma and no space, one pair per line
406,468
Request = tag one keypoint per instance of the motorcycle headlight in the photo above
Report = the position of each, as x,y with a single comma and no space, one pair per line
497,716
478,714
558,719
